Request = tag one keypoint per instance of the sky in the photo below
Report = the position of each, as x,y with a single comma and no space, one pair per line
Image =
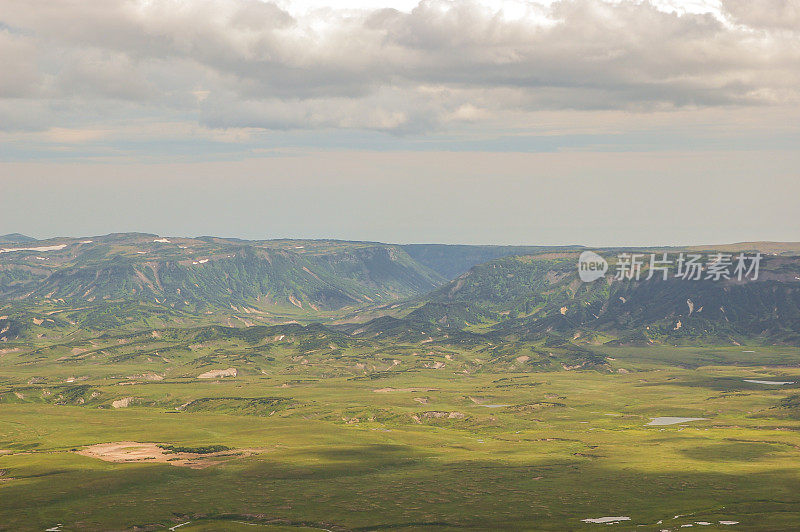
499,122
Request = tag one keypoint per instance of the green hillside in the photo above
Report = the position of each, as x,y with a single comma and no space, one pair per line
537,295
208,274
137,281
15,238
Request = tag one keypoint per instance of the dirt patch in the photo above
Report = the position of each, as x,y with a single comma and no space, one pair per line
218,373
147,377
388,390
438,415
125,402
131,451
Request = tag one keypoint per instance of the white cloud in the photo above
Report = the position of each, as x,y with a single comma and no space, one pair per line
422,67
766,14
18,59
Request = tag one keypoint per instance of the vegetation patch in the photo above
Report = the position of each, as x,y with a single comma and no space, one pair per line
243,406
201,449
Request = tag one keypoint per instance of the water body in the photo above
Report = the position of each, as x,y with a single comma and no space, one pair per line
667,420
768,382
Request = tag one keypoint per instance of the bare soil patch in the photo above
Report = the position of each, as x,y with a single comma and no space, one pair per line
388,390
131,451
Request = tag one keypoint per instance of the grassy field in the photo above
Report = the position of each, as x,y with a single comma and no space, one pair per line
359,437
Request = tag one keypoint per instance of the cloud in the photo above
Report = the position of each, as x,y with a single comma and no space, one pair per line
766,14
18,57
253,64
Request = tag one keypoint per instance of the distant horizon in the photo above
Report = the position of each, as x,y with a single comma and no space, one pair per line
387,242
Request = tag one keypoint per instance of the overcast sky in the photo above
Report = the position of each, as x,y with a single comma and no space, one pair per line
575,121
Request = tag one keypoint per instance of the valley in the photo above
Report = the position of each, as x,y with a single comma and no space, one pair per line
509,396
399,266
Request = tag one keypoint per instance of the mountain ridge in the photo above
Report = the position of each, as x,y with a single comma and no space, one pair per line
142,280
16,238
534,296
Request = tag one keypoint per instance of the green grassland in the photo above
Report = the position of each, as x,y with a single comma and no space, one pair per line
369,434
329,385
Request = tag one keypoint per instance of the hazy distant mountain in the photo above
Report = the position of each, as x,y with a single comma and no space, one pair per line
771,248
141,280
210,273
450,261
532,296
15,238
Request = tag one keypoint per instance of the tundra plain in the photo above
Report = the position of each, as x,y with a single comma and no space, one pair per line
316,435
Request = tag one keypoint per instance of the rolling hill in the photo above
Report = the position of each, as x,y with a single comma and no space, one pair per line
138,281
15,238
208,275
538,295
